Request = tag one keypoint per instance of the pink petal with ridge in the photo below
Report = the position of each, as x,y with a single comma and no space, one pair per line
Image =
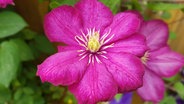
126,69
4,3
94,14
97,85
135,44
62,68
62,24
156,33
165,62
124,25
153,87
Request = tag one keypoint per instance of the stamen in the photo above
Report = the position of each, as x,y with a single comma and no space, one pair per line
82,53
102,52
109,39
81,44
108,46
93,60
145,58
89,61
97,59
83,57
93,43
104,56
80,50
104,36
84,35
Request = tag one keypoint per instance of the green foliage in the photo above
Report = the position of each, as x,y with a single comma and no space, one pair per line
179,87
168,100
172,35
164,6
9,62
21,50
114,5
43,44
25,52
118,96
10,24
166,15
173,78
56,3
5,94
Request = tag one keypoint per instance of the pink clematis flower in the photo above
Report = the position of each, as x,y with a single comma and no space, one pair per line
4,3
160,61
100,56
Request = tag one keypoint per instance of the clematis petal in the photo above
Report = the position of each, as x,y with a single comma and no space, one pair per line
165,62
126,69
4,3
135,44
156,32
62,68
69,48
97,85
153,87
94,14
123,25
63,24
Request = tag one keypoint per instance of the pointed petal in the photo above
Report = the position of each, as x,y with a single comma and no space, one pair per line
62,68
4,3
97,85
94,14
126,69
63,24
165,62
69,48
124,25
156,32
135,44
153,87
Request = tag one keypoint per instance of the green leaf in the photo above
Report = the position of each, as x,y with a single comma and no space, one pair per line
172,35
118,97
9,62
5,94
54,4
136,5
43,44
173,78
179,87
164,6
28,34
166,15
168,100
25,52
57,3
114,5
10,24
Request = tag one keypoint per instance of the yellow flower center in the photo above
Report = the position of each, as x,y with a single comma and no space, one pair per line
145,58
93,43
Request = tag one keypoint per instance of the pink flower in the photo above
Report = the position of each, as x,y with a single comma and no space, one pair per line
4,3
160,61
100,58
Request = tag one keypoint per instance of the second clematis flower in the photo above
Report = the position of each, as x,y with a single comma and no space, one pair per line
4,3
160,61
100,58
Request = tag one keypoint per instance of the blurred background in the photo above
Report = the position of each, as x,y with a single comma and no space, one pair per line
23,46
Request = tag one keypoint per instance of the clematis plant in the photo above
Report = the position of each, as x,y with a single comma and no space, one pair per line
4,3
159,60
101,54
